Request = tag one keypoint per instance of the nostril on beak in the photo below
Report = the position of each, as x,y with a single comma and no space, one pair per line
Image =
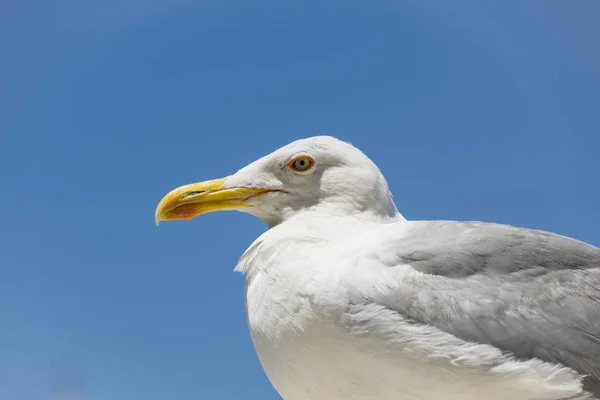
192,194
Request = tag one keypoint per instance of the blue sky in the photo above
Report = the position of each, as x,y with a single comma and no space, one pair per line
473,111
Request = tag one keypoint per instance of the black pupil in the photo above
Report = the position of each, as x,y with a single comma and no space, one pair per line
301,163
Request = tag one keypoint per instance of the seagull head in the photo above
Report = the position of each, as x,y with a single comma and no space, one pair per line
320,176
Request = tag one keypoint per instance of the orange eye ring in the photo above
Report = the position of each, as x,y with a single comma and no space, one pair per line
301,164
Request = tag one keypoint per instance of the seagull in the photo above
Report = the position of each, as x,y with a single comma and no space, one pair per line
348,300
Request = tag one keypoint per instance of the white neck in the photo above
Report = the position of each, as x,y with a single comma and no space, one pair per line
327,211
305,229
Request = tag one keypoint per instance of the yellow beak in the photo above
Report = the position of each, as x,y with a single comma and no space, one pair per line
189,201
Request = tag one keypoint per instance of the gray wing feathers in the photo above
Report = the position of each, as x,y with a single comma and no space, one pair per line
530,293
459,249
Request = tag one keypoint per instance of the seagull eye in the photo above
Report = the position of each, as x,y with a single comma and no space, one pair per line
301,164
